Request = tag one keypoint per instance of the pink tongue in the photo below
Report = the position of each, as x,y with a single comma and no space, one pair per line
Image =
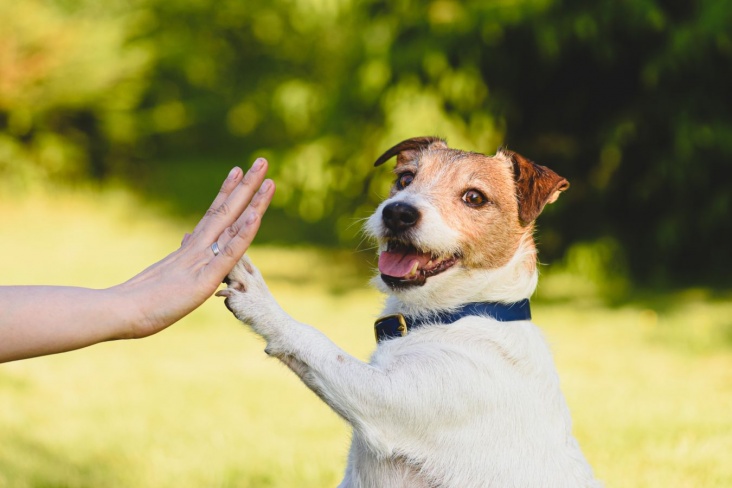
399,264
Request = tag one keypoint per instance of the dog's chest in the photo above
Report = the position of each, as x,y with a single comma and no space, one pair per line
473,399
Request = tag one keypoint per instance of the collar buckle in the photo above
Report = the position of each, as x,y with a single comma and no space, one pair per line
390,326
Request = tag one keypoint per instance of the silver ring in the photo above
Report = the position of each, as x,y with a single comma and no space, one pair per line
215,248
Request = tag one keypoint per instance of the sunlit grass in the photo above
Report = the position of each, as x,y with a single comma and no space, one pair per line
649,383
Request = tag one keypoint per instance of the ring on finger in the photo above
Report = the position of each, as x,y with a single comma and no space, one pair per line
215,248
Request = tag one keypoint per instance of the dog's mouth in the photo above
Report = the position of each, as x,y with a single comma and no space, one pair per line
403,265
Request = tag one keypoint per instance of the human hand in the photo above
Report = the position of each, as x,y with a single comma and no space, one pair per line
170,289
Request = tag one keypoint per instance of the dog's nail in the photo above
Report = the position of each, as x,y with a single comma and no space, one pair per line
226,293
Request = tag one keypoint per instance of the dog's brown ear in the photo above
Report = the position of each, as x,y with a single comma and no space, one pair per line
536,185
406,148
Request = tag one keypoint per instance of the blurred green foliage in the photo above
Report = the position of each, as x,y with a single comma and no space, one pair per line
631,101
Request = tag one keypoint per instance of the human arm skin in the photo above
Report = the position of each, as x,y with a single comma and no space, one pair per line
40,320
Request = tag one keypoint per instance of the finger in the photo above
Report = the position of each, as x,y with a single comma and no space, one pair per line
229,184
246,228
219,218
260,202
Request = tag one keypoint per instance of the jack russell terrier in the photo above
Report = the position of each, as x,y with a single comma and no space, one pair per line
462,391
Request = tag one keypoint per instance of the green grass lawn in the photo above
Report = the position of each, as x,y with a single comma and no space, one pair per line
649,383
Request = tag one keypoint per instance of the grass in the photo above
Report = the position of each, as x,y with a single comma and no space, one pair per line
649,383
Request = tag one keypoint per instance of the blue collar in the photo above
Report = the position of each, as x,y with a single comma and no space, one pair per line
398,325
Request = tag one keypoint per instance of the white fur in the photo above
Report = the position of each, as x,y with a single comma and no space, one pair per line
473,404
458,285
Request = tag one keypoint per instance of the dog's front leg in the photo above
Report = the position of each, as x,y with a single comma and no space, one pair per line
379,403
295,344
249,299
301,347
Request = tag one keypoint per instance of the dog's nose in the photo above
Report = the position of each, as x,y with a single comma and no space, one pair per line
399,216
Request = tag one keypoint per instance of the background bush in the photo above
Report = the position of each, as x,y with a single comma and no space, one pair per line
629,100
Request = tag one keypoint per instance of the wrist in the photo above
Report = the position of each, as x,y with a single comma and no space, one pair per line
125,315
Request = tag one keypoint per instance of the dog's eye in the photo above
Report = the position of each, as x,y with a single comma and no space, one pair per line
474,198
404,180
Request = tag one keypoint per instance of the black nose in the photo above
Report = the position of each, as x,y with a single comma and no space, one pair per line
399,216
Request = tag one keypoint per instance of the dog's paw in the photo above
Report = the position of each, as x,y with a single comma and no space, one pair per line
247,296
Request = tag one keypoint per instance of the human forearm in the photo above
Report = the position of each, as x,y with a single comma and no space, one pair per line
40,320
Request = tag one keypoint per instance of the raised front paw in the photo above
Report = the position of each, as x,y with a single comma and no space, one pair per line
247,295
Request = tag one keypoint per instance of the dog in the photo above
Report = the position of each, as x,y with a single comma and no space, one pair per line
461,391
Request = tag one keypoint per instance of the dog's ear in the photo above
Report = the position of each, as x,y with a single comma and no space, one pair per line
406,149
536,185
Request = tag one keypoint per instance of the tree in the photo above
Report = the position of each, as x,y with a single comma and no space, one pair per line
629,100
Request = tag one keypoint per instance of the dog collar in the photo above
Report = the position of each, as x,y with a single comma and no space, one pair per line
398,325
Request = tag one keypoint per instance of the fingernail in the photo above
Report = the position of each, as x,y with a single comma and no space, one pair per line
233,173
258,164
265,186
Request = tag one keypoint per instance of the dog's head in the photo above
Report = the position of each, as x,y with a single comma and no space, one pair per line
457,219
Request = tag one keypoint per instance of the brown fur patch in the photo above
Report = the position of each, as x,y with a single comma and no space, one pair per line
491,233
536,185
